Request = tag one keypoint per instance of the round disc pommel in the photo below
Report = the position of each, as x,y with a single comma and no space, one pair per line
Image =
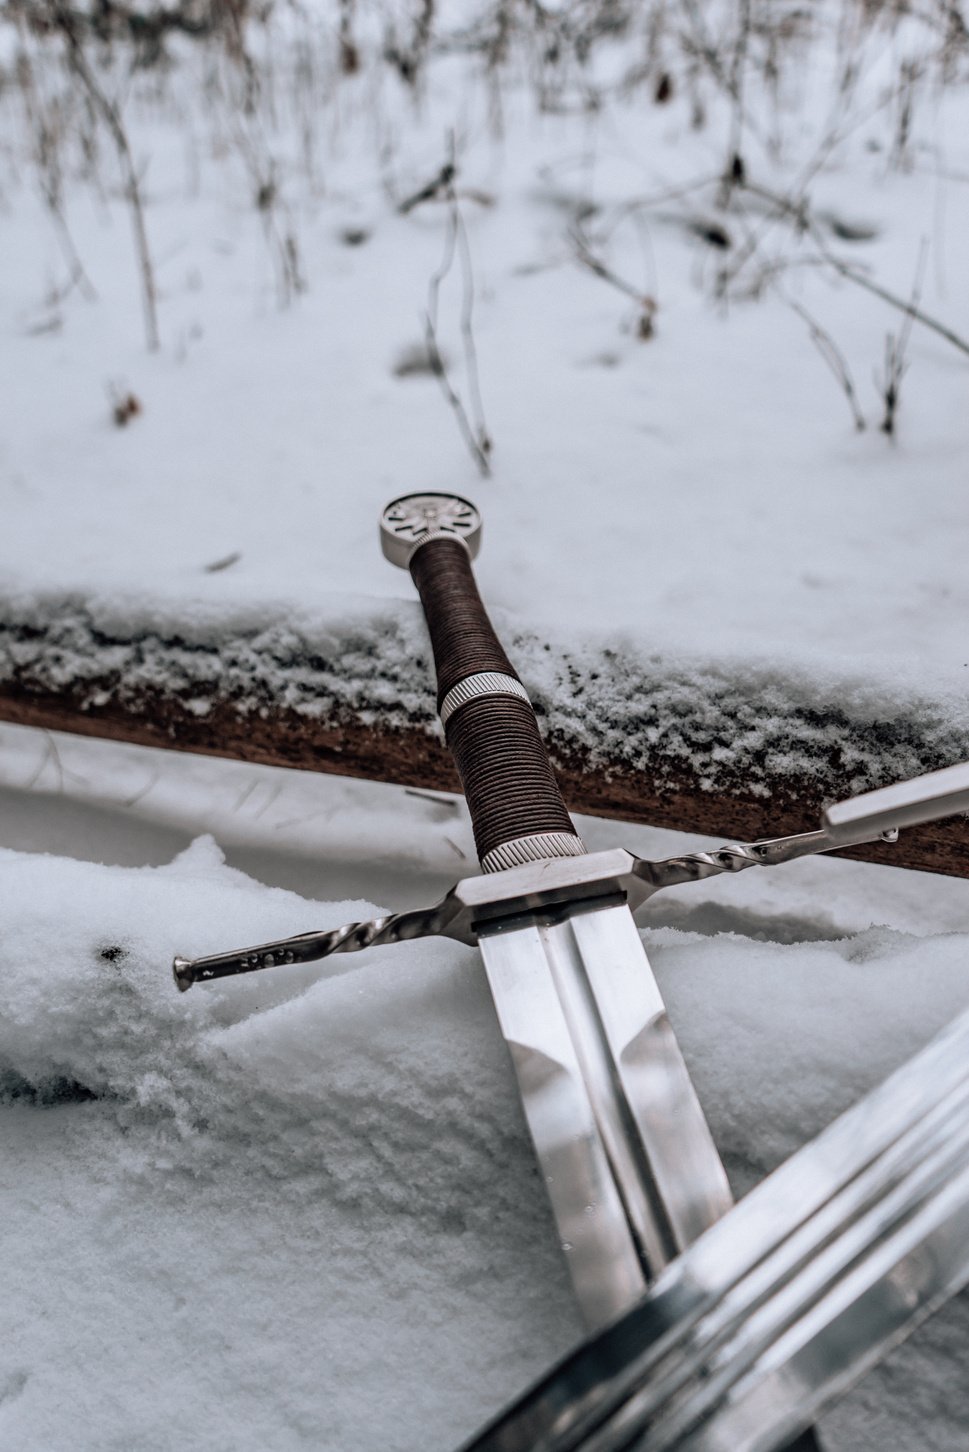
409,522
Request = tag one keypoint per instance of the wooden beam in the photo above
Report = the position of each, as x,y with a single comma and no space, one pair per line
354,743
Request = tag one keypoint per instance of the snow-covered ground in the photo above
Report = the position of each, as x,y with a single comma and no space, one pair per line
302,1212
699,502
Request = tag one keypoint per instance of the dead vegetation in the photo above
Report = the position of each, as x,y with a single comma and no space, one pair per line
739,71
457,249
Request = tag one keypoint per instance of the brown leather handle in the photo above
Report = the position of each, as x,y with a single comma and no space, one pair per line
490,726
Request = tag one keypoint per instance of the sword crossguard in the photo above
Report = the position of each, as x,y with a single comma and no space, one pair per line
554,883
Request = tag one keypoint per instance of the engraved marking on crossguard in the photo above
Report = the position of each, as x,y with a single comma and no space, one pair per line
307,947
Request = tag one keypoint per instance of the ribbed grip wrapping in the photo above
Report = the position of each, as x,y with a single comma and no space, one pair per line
462,637
504,768
505,771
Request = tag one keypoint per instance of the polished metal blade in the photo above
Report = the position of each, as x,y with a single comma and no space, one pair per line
903,804
630,1165
819,1272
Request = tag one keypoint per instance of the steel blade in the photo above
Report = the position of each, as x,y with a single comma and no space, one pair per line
816,1274
903,804
629,1162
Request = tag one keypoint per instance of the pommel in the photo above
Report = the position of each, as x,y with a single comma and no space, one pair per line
414,519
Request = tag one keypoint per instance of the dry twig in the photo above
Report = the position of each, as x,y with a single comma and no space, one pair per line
796,207
474,430
834,358
65,23
45,124
913,312
895,349
645,303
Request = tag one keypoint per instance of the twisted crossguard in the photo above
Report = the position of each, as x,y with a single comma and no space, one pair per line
872,816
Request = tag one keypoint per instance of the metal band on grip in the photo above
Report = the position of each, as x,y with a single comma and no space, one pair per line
485,683
532,849
489,723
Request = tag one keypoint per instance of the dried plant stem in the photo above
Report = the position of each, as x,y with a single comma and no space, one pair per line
595,264
913,312
467,330
474,430
895,350
250,101
45,129
280,235
77,272
834,358
708,50
77,60
733,167
796,207
644,301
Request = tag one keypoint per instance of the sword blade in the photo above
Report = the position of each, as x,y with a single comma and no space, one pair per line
629,1162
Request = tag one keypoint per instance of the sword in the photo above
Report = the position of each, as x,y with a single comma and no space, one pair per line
631,1169
630,1165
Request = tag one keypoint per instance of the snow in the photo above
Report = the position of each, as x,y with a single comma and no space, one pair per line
694,514
742,718
301,1210
270,1279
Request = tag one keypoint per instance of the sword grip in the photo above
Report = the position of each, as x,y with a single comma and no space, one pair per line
516,808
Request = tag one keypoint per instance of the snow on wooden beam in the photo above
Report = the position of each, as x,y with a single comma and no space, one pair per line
413,757
740,751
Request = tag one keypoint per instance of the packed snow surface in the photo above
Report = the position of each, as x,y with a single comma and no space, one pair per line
300,1210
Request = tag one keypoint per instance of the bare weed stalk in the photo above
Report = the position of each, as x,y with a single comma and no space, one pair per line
63,20
901,156
796,208
349,54
896,347
409,58
911,310
645,302
45,123
835,360
248,128
473,428
733,171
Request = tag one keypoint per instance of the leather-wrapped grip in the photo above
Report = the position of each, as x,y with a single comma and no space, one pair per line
493,736
462,637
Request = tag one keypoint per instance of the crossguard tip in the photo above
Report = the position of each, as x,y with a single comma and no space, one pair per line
183,970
